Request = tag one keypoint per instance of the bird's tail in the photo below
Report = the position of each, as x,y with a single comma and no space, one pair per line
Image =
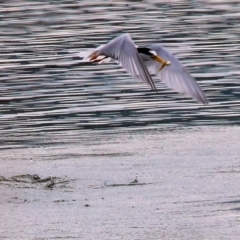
85,54
88,55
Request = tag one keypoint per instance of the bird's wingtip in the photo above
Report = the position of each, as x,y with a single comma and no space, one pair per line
203,101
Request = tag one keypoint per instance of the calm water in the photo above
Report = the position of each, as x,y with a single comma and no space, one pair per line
50,99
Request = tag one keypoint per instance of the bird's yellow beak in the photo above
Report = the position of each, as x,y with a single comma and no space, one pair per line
162,61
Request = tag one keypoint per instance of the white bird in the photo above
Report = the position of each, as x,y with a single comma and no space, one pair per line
140,62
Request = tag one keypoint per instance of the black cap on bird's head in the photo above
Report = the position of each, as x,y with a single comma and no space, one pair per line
146,51
152,54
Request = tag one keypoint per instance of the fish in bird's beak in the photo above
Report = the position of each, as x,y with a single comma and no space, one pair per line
162,61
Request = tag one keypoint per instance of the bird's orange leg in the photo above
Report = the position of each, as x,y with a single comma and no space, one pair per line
99,60
93,57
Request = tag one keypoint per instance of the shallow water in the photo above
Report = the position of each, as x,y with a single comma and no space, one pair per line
94,124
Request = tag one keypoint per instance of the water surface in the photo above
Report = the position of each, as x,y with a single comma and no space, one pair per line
95,125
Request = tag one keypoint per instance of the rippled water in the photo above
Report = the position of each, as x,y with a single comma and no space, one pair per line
49,98
43,88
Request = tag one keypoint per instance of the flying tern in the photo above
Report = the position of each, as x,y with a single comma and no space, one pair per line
141,62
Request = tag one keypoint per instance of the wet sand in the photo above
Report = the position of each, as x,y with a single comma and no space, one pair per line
188,186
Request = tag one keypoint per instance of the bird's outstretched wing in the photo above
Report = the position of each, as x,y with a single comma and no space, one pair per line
175,76
124,51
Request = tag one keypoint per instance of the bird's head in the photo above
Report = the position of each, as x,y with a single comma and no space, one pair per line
153,55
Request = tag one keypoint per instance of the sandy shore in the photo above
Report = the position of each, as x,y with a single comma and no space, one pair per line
188,187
